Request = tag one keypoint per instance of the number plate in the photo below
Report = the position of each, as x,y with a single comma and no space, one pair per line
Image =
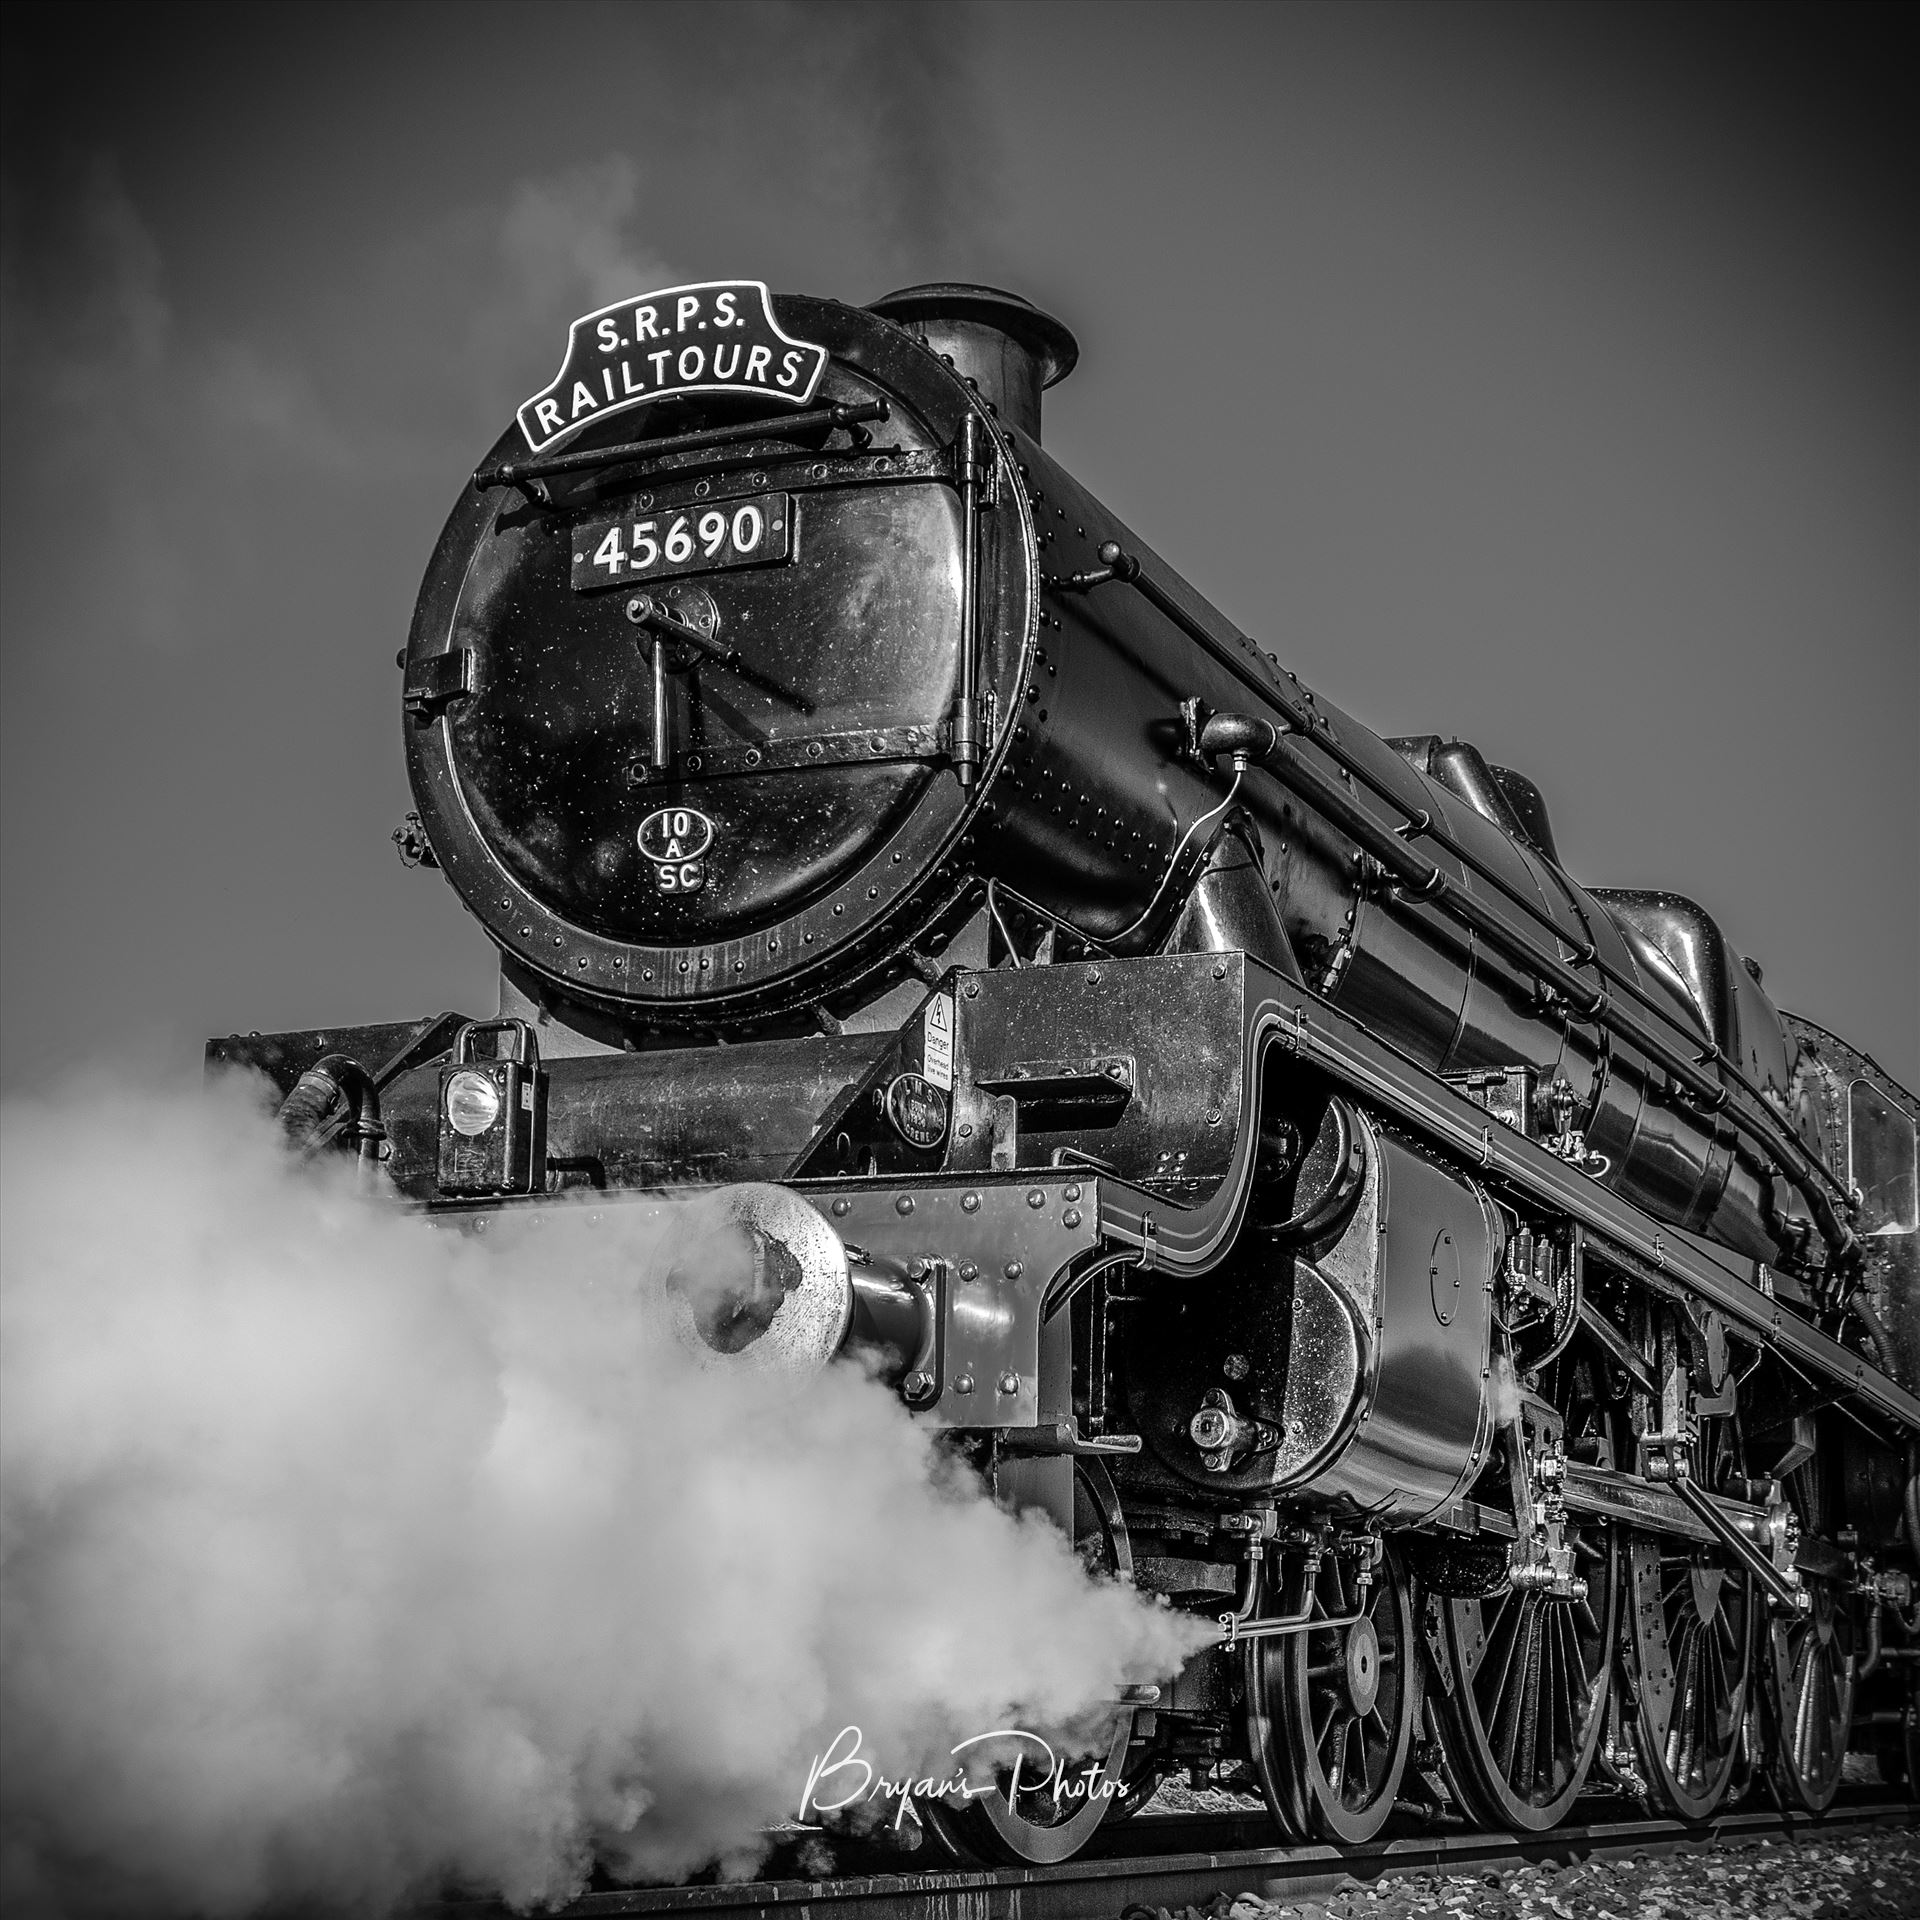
613,550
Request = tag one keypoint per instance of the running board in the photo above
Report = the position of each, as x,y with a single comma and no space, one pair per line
1280,1013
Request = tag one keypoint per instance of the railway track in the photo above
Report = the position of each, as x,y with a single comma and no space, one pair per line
1180,1860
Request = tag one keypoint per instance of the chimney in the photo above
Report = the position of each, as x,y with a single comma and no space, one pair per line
1005,345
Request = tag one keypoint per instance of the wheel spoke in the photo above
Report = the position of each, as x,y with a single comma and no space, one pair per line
1336,1738
1567,1676
1513,1714
1335,1577
1493,1678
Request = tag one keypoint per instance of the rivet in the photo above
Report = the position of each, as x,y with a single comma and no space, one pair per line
969,1203
1036,1197
1071,1218
904,1204
968,1271
841,1208
1009,1383
964,1384
1013,1269
1072,1192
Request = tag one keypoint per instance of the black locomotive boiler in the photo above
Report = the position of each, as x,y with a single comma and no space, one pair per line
1238,1131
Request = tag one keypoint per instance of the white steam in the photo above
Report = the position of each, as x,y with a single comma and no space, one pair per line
342,1556
1504,1394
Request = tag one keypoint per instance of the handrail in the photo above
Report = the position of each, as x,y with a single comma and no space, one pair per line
1429,881
775,427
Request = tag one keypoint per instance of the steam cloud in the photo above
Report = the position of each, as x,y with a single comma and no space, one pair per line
344,1556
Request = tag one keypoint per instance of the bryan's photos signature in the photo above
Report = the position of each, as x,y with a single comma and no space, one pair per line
843,1777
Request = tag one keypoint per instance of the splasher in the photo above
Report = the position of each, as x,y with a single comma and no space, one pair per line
346,1557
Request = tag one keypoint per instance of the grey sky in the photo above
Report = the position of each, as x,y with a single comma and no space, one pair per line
1545,375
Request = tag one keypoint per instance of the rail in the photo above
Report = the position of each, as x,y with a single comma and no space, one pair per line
1192,1858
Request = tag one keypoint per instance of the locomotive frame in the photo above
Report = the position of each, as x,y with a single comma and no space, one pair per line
1237,1132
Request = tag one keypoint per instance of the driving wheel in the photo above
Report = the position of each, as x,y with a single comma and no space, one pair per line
1689,1644
1810,1665
1330,1710
1519,1680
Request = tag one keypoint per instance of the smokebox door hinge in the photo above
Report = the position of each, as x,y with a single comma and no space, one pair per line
436,682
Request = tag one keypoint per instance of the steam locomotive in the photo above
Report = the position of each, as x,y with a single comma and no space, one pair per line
1237,1131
